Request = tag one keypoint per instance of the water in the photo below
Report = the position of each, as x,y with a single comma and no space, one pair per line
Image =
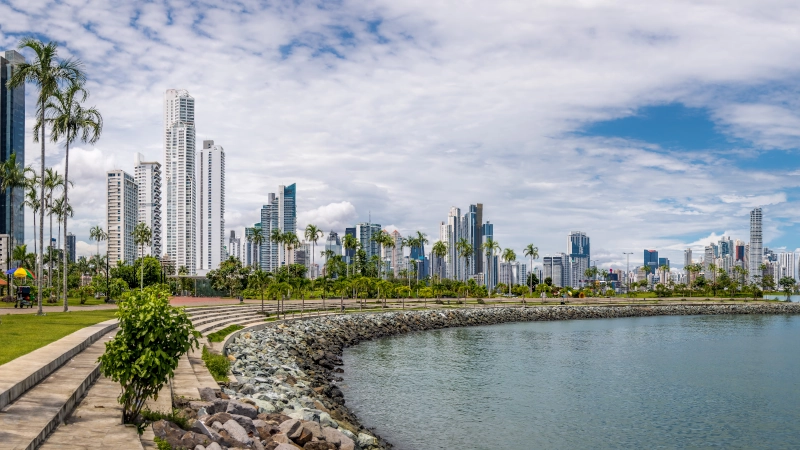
792,298
653,382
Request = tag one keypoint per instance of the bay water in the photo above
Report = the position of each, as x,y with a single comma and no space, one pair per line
650,382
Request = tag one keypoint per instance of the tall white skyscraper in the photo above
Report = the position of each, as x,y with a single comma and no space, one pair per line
179,177
210,177
451,234
756,245
122,205
148,180
579,255
235,247
786,266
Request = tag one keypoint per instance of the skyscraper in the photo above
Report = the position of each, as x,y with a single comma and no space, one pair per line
477,238
651,259
210,208
364,234
333,243
756,250
490,268
557,269
122,205
786,266
148,180
12,141
234,247
396,253
349,253
450,234
687,257
279,213
252,252
71,247
579,255
179,176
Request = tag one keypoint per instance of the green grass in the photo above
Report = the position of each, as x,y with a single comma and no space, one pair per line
218,365
23,333
72,301
219,336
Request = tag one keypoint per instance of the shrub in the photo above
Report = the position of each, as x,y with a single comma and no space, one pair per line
144,354
480,301
218,365
161,444
175,416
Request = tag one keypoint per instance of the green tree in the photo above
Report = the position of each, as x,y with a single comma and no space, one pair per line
48,73
256,238
142,235
144,354
509,256
439,250
465,250
230,275
532,252
276,236
490,249
259,280
32,201
70,121
350,243
290,242
313,234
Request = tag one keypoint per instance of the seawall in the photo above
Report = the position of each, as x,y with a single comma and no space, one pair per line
292,367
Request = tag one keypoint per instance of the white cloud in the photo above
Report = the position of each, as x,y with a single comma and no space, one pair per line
443,106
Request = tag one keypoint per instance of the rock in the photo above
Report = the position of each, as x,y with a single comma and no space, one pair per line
213,446
220,405
292,428
216,426
237,432
169,432
319,445
202,413
338,438
281,438
199,447
245,422
326,421
366,440
314,428
192,439
274,419
264,406
195,405
201,428
265,431
207,395
286,447
242,409
220,417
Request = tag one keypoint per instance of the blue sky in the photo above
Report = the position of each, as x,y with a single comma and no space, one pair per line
644,125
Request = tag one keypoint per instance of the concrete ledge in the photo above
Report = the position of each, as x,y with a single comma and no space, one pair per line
21,374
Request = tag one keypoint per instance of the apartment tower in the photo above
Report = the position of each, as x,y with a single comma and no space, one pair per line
148,179
122,206
210,178
756,254
179,177
12,142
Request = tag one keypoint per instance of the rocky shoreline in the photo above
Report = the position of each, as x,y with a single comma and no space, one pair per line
290,370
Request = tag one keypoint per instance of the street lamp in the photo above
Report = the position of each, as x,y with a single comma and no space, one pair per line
628,270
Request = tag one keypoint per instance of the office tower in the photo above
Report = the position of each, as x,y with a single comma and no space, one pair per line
364,233
252,252
210,194
579,255
122,205
349,253
234,247
557,269
687,257
279,213
71,247
663,262
12,141
179,177
739,250
470,232
756,254
396,252
477,237
708,257
786,264
333,243
148,180
651,259
452,233
490,269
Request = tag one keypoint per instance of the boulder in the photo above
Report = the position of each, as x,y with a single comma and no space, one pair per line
213,446
314,428
220,417
292,428
366,440
199,447
286,447
237,432
169,432
245,422
274,418
220,405
209,406
338,438
191,440
201,428
207,394
242,409
319,445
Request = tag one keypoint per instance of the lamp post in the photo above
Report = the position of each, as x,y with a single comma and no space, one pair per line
628,270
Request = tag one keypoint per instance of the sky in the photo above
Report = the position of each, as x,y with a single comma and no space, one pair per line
647,125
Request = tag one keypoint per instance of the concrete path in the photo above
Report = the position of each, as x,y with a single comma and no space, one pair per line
96,423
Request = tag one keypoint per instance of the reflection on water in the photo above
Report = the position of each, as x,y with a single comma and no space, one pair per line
655,382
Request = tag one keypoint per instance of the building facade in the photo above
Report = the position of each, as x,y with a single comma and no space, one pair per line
756,254
556,268
12,142
364,233
234,247
148,180
252,251
122,206
210,177
179,178
71,248
579,257
279,213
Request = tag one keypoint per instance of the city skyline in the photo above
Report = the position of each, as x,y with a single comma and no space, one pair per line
703,133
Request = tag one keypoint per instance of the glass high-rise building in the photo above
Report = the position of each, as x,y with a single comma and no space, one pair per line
280,213
579,257
71,247
756,254
179,177
12,141
651,259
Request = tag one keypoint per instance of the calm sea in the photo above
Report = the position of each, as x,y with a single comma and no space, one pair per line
657,382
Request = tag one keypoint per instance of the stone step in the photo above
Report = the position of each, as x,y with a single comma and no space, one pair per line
215,317
26,423
21,374
197,311
211,327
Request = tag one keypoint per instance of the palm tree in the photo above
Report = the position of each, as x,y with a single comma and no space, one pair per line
439,250
97,234
350,242
591,273
12,176
490,248
313,234
257,237
421,239
509,256
69,121
62,210
276,236
48,74
52,181
464,250
260,280
532,252
383,239
142,235
291,242
32,200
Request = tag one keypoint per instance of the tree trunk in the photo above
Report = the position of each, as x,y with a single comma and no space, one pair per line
41,215
66,215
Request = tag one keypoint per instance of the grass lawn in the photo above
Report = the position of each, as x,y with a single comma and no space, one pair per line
73,301
24,333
